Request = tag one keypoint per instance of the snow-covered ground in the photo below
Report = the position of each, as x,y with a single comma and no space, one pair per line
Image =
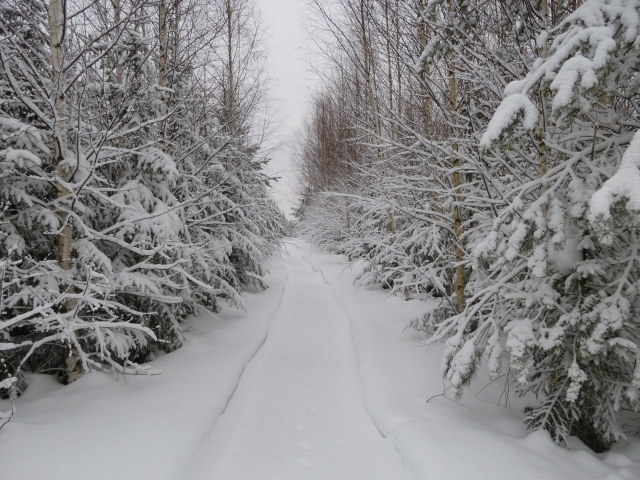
475,439
333,389
138,428
298,411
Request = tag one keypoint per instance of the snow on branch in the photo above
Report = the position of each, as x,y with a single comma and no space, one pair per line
624,184
510,110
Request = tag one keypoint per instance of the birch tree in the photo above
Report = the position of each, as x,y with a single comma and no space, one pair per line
122,212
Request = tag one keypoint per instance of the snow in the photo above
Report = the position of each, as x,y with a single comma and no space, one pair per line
594,31
565,81
21,158
507,113
440,439
318,380
137,428
298,411
578,377
624,184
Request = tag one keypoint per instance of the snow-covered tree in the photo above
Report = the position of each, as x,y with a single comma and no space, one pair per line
128,200
485,174
553,272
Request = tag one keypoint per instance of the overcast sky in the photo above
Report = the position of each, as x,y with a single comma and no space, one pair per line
291,83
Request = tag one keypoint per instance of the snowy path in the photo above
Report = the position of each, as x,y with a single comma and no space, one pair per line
275,393
298,411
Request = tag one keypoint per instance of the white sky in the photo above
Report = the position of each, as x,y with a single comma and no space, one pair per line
291,85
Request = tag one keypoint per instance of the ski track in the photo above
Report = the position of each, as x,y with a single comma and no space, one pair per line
253,355
297,411
353,344
244,367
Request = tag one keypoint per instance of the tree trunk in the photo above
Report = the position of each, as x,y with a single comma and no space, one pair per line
389,62
116,21
542,147
426,104
119,75
455,162
230,80
65,235
162,66
367,68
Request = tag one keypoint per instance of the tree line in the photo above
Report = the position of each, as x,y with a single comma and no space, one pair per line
132,183
485,153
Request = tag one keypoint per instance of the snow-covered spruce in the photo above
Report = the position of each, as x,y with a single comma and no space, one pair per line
127,202
483,173
555,272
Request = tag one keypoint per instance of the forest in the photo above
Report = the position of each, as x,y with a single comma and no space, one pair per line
132,183
475,161
486,153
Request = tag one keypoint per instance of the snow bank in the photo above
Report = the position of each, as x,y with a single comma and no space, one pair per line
442,440
138,428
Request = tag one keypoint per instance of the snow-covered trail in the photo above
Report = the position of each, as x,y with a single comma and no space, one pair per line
275,393
298,411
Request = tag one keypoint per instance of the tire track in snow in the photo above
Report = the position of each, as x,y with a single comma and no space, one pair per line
259,347
353,346
298,412
243,369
